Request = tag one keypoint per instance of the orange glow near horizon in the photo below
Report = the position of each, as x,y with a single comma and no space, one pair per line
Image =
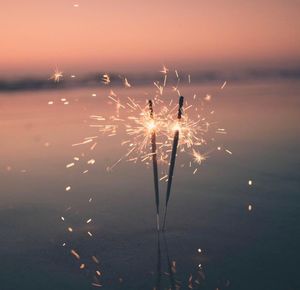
129,35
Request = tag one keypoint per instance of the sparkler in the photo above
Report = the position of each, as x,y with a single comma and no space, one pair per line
154,162
148,137
156,137
173,159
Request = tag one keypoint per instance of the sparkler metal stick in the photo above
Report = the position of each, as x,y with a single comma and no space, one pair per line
173,159
154,161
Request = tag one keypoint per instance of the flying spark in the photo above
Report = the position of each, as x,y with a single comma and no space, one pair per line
57,75
106,79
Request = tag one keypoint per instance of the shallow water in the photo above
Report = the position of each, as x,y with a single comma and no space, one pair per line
240,249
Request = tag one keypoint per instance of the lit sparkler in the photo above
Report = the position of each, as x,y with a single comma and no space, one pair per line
149,139
157,139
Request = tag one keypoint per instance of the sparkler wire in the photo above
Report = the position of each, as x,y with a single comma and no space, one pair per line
173,159
154,162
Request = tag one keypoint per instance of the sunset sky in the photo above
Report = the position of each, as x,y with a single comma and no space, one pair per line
132,35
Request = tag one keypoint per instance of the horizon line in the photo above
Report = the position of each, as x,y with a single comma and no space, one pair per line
143,78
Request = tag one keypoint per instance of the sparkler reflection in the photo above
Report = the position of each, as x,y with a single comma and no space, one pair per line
169,278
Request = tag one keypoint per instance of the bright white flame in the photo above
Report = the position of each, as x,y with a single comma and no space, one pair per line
176,127
151,125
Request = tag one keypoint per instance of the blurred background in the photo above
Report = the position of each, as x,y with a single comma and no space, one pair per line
135,36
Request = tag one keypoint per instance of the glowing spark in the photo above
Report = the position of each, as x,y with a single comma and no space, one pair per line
94,258
198,157
50,103
98,118
117,102
229,152
106,79
126,83
249,207
221,131
164,70
70,229
160,88
70,165
207,97
164,177
250,182
93,146
151,126
82,266
75,254
88,221
176,127
57,75
223,86
68,188
84,142
112,93
165,80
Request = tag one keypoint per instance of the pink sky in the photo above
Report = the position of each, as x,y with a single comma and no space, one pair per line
133,34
